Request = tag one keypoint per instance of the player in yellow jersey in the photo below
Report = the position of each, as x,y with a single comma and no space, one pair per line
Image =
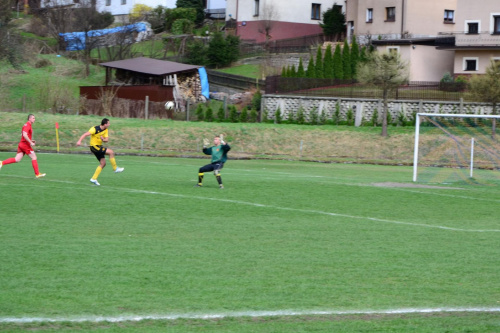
98,135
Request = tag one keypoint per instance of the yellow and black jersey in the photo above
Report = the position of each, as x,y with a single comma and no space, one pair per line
96,133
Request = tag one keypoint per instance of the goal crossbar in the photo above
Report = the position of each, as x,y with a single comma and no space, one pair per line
449,115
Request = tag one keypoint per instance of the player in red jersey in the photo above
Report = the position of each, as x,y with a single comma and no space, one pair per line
25,147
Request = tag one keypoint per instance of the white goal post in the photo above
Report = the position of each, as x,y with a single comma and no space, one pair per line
419,117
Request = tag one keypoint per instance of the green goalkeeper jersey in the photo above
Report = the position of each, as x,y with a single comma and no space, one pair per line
219,153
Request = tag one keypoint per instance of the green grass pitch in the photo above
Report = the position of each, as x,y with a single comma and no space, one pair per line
283,237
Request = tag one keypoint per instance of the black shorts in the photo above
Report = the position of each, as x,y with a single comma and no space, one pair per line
212,167
99,153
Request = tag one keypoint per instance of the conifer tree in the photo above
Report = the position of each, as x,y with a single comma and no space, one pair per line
328,63
319,64
293,72
354,56
311,69
300,71
338,70
346,61
283,71
362,54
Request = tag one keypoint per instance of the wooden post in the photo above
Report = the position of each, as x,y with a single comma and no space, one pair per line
146,108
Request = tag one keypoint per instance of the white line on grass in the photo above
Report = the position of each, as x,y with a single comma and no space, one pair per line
240,314
311,211
307,211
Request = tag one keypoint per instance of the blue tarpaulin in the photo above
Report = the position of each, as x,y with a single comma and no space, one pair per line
204,82
76,40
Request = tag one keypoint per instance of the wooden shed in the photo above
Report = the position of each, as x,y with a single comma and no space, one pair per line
140,87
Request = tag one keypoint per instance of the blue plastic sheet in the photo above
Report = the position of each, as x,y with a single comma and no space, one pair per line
75,41
205,91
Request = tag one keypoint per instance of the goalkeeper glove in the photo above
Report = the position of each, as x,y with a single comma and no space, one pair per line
222,139
206,143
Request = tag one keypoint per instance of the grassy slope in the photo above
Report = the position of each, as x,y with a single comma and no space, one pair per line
174,138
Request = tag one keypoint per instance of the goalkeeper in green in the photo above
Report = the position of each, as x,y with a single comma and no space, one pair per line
219,156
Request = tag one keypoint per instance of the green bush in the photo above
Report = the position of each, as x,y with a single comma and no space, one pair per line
300,118
256,100
336,115
265,117
323,118
314,116
233,114
374,120
350,117
182,26
200,115
253,115
221,114
277,116
244,115
209,114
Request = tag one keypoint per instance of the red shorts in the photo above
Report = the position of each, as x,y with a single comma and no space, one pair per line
24,148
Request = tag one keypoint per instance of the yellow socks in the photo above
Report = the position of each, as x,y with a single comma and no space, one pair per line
113,163
97,172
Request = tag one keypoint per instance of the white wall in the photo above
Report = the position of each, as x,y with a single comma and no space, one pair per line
296,11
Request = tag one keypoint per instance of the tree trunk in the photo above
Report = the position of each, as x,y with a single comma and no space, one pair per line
384,115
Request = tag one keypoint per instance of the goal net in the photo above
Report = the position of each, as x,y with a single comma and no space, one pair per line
456,148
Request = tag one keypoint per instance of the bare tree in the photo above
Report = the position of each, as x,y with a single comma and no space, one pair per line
385,71
269,17
486,88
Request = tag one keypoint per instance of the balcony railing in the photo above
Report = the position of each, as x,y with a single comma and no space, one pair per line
482,38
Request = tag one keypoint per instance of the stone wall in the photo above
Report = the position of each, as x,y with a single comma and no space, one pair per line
363,109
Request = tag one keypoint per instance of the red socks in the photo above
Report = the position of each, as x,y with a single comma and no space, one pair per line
35,167
9,161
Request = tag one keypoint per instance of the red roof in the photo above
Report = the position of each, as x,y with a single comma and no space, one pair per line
150,66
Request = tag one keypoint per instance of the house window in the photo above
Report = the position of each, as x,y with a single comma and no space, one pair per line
369,15
473,28
256,8
393,50
316,11
108,2
471,64
390,14
496,24
449,16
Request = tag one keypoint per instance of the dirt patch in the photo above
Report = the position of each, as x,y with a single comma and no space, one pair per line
409,185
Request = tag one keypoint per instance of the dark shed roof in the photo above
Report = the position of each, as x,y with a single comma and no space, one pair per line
150,66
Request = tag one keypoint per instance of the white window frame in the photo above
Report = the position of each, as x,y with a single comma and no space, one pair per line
108,2
447,11
496,59
391,48
466,28
492,23
369,15
464,64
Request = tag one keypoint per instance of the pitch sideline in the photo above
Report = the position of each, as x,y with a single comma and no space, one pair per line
240,314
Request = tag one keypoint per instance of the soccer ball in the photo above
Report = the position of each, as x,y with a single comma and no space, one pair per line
169,105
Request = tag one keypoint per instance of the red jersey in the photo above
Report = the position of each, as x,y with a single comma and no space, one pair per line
27,128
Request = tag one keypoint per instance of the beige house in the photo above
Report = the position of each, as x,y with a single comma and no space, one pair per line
477,36
396,19
435,36
261,20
